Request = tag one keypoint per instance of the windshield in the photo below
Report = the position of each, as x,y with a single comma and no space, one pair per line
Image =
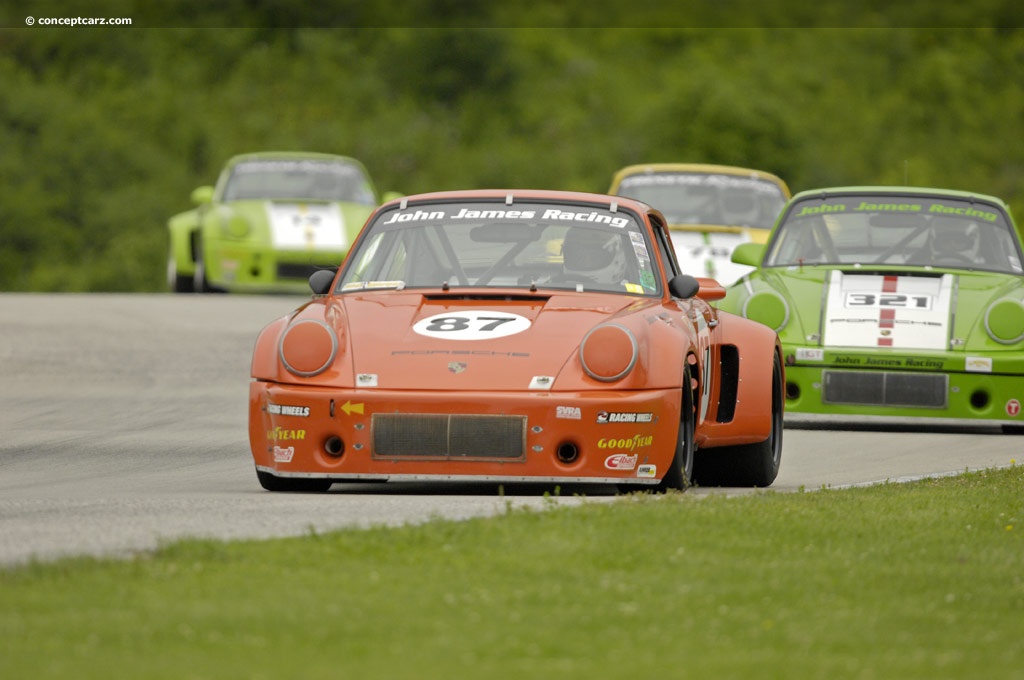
708,199
892,229
313,180
580,247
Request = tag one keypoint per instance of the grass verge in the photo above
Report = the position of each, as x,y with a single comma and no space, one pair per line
918,580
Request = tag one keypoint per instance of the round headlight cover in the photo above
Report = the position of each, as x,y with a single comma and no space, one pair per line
308,347
768,308
609,352
1004,321
238,226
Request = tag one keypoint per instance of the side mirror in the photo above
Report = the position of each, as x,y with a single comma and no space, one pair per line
749,254
321,280
203,194
710,289
683,286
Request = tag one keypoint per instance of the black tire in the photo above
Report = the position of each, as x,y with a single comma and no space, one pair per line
183,284
175,281
287,484
748,464
680,472
199,283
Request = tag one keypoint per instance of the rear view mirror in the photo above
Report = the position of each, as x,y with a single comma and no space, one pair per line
502,232
893,220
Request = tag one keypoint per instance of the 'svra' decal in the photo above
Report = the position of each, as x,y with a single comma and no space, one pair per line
471,324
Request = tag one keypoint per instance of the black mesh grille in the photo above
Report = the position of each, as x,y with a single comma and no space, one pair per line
926,390
400,435
286,270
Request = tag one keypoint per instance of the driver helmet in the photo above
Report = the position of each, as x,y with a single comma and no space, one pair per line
954,237
594,254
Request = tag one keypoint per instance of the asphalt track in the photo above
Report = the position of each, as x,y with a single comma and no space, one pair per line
123,423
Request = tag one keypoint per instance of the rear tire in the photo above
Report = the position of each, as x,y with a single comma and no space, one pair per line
288,484
748,464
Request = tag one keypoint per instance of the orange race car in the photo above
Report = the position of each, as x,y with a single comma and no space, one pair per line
515,336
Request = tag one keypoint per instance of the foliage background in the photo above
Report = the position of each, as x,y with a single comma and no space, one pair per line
104,131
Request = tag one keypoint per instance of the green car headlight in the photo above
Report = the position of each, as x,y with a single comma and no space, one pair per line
769,308
1004,321
237,226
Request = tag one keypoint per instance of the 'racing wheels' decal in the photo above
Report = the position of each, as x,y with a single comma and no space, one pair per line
471,324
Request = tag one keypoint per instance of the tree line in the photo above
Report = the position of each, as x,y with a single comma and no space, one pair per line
105,132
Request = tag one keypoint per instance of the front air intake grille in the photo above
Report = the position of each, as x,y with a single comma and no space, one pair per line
287,270
922,390
443,436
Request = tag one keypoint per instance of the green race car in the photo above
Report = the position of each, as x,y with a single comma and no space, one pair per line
893,304
272,219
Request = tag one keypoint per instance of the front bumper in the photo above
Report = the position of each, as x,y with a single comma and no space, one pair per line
839,392
242,267
593,437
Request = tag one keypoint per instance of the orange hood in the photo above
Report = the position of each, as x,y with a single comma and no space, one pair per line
444,341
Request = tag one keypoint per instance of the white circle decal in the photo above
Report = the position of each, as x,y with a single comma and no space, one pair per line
471,324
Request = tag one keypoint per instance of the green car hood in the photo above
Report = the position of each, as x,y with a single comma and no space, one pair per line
292,225
902,310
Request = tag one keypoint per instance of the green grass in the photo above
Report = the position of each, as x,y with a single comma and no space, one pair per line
918,580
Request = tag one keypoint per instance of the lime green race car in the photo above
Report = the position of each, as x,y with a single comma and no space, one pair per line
893,304
271,221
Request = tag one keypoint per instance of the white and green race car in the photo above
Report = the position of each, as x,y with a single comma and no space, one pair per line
272,219
893,304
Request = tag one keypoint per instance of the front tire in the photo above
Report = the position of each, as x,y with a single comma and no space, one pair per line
754,465
287,484
680,473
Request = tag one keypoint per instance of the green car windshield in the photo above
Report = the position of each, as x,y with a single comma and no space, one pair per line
583,247
706,198
906,230
298,179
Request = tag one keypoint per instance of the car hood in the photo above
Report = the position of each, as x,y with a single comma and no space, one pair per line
431,342
298,225
904,310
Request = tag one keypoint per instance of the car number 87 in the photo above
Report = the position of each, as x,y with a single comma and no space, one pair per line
888,300
474,324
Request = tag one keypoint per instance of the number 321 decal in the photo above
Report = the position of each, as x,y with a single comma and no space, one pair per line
889,300
471,324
